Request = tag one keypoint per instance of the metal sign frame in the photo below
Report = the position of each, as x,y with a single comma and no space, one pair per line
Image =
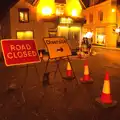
59,49
57,60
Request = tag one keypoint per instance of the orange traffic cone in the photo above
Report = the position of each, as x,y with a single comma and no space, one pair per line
106,99
86,78
69,70
69,75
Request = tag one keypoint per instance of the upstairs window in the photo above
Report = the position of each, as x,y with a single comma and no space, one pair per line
59,9
100,16
23,15
91,18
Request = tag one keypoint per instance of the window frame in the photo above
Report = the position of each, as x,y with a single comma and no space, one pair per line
23,10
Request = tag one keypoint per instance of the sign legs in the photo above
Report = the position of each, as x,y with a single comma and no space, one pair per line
25,81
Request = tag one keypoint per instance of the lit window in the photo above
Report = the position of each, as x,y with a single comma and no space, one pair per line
59,10
25,35
23,15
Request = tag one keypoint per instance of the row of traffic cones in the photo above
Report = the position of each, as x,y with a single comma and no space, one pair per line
105,98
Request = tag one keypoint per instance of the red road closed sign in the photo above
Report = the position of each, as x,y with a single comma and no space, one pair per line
18,52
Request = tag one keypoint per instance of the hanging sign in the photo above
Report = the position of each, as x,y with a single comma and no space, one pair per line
57,47
18,52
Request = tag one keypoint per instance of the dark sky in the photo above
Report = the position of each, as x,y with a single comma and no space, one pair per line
5,5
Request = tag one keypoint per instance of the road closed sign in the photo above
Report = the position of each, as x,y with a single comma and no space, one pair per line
18,52
57,47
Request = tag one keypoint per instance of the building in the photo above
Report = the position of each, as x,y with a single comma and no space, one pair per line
22,21
103,19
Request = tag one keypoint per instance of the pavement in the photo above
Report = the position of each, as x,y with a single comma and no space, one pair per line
108,48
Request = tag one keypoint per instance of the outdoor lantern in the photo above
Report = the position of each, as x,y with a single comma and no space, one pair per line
89,34
73,8
117,30
46,7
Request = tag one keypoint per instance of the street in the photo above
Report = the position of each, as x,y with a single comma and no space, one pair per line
62,99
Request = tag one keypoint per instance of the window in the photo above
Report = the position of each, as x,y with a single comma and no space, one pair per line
91,18
25,35
100,15
59,10
23,15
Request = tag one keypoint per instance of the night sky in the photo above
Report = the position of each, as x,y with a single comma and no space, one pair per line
5,4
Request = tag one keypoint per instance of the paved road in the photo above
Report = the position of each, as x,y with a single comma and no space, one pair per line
61,100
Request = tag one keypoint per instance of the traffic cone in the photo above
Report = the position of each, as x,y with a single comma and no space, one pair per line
86,78
106,99
69,70
69,75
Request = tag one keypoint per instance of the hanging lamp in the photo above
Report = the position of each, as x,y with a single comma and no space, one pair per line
73,8
46,8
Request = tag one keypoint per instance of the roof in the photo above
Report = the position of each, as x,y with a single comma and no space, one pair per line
64,2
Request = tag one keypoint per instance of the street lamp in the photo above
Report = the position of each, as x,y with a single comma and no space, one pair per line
46,8
73,8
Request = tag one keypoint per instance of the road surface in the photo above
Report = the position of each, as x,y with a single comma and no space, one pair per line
61,100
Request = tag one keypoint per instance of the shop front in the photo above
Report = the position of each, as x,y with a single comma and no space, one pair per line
70,31
72,34
100,36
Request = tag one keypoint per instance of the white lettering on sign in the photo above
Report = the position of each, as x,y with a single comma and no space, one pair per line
21,51
24,54
20,47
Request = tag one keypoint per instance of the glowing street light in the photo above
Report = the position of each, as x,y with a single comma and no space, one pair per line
89,34
117,30
46,11
73,8
46,7
74,13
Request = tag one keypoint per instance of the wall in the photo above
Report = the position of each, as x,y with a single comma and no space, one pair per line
109,21
39,28
5,28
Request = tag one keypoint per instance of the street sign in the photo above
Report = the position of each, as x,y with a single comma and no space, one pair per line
17,52
57,47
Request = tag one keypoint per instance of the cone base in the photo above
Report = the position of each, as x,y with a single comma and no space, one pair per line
86,82
68,78
105,105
